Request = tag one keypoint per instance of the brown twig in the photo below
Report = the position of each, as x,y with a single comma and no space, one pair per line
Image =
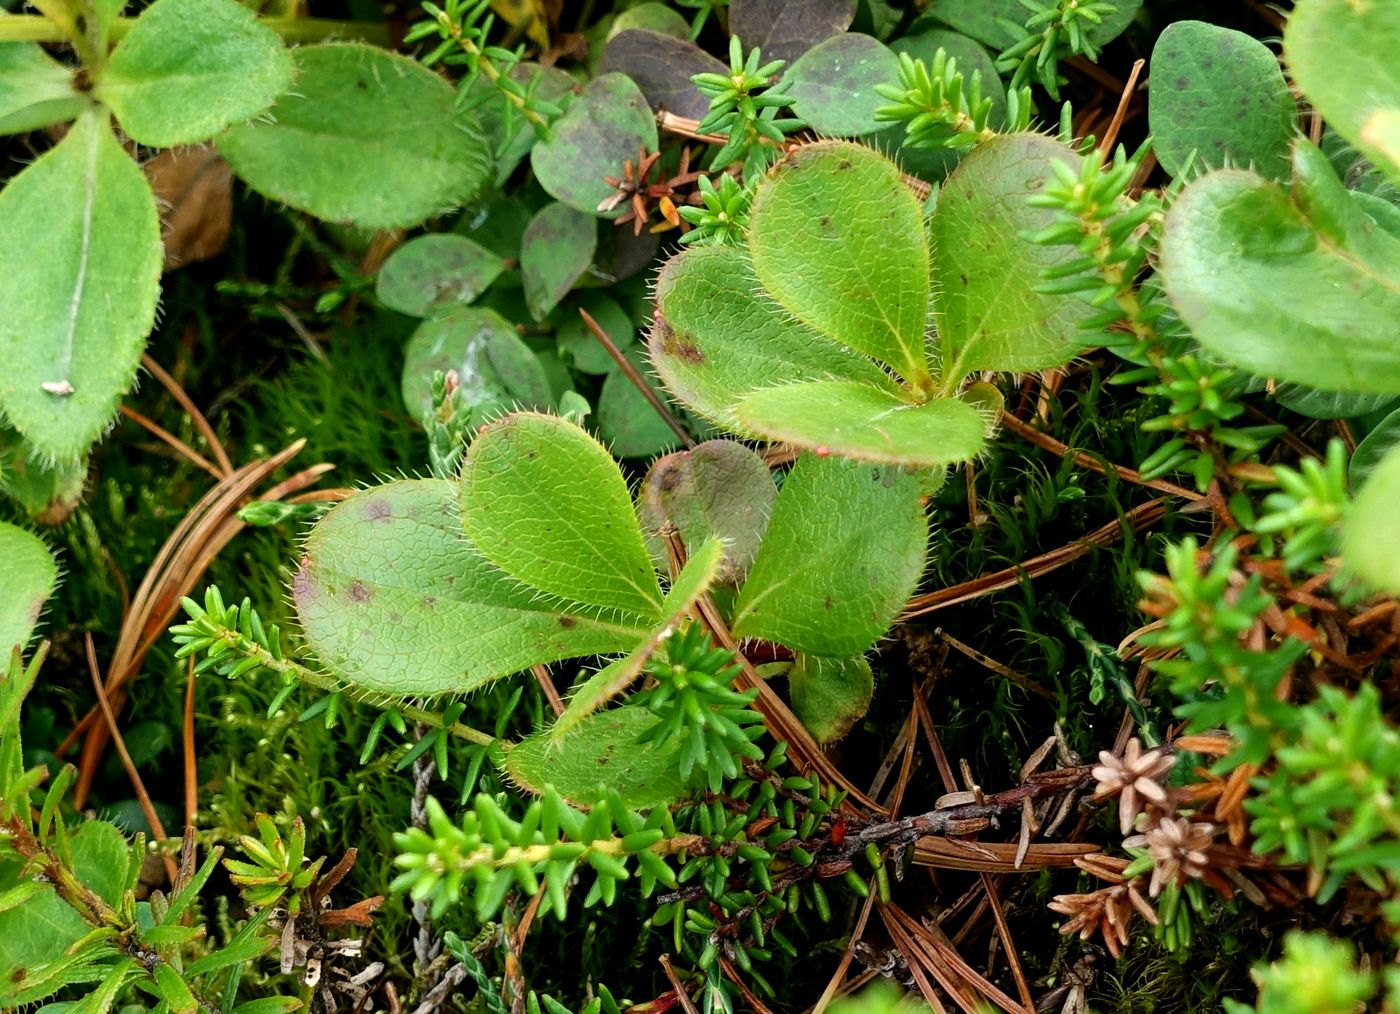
1024,682
161,433
551,693
847,955
1111,134
187,739
1136,519
1061,450
630,371
681,995
196,416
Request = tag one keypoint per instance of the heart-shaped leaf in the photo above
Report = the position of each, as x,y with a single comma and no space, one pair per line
843,551
495,369
80,260
859,421
988,317
1234,242
717,489
441,269
661,66
833,84
556,250
35,89
785,29
28,574
602,753
366,137
392,597
830,695
547,504
603,126
1193,65
715,337
189,68
837,238
1342,55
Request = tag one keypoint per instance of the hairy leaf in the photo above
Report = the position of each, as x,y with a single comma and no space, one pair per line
48,492
605,125
1342,55
830,695
662,66
393,597
715,337
1234,244
35,89
988,317
441,269
785,29
189,68
837,238
717,489
80,263
557,248
833,84
843,551
366,137
602,753
1196,65
547,504
859,421
28,574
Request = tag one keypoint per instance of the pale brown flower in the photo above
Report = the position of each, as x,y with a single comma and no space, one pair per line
1179,848
1107,911
1130,776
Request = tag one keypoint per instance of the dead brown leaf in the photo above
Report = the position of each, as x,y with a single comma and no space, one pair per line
194,191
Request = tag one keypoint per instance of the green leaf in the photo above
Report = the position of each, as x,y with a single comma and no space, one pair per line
190,68
1376,445
694,580
833,84
35,89
843,551
269,1005
496,370
988,317
718,489
49,493
1371,541
656,17
1193,65
715,337
604,125
602,753
547,504
837,238
436,271
858,421
366,137
557,249
785,29
1317,404
830,695
661,66
508,133
393,598
983,19
585,353
80,259
28,574
1234,243
1342,55
37,933
627,422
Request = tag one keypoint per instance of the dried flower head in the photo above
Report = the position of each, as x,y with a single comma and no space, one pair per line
1179,847
1130,776
1107,911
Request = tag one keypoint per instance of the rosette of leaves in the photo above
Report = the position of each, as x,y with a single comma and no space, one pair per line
365,137
851,326
535,555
